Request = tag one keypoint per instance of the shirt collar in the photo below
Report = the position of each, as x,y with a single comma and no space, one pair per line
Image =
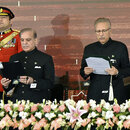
30,52
106,44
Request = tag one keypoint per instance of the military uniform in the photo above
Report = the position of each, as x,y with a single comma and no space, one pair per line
9,44
99,84
39,66
9,41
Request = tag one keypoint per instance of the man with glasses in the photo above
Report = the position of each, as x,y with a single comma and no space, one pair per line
109,86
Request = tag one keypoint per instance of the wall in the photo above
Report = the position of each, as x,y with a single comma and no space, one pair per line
67,49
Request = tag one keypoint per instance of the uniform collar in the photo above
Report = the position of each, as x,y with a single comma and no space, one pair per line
5,31
106,44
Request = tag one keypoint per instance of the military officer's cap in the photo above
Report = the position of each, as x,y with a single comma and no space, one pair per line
60,19
6,12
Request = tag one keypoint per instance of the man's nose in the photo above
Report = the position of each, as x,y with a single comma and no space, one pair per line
101,33
24,42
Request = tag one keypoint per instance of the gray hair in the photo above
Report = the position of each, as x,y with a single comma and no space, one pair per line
28,29
102,20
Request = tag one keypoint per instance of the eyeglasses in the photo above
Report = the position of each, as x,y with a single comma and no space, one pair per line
103,31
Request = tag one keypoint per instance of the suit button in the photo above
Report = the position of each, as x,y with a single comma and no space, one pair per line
25,62
24,68
26,57
22,91
22,85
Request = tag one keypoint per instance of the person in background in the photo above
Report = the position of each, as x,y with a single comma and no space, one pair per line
9,38
109,86
66,50
39,70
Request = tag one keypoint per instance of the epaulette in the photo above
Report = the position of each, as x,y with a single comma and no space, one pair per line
16,30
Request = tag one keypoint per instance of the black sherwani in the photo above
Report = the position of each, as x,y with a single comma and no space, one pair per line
39,66
99,84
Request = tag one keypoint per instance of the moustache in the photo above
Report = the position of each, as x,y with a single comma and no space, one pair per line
25,46
102,38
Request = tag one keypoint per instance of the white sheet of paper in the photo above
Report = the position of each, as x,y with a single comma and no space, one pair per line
1,65
98,64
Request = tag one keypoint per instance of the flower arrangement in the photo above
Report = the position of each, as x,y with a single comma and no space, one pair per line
65,114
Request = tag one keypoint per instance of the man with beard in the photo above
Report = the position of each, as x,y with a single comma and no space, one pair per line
109,86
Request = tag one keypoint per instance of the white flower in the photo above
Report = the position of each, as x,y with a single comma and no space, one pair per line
38,115
53,106
64,115
103,102
55,101
61,102
50,115
62,123
10,102
27,107
11,112
23,102
60,115
122,117
122,108
15,114
43,101
127,104
107,106
128,117
1,104
92,115
103,113
15,105
92,104
120,124
2,114
109,114
81,103
78,124
28,102
70,102
48,102
23,115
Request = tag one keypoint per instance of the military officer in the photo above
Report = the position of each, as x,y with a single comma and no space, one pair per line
38,67
9,38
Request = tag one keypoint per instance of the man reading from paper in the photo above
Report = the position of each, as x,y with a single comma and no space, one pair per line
106,86
35,85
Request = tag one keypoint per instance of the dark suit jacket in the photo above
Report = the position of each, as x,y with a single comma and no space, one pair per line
99,84
39,66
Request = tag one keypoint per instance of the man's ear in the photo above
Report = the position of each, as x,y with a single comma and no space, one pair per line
10,23
36,42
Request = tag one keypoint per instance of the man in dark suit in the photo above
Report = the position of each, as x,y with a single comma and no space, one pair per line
38,69
109,86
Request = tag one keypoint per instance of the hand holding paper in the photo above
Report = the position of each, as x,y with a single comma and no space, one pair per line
98,64
88,70
112,71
